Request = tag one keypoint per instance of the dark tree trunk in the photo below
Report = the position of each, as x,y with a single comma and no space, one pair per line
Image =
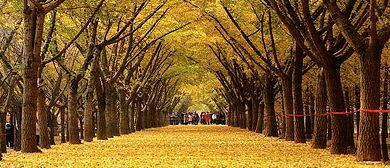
320,103
329,118
81,127
311,109
101,113
73,128
288,108
269,100
19,127
148,116
230,116
336,104
260,119
116,112
131,116
384,135
255,112
31,60
139,114
62,114
368,142
89,109
42,120
350,128
357,107
242,115
110,112
3,143
52,125
249,116
124,112
299,125
308,122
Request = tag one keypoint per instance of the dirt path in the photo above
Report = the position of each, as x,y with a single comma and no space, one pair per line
185,146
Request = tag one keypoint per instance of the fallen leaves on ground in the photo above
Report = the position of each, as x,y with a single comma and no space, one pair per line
185,146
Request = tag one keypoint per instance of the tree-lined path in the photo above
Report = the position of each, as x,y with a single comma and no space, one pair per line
185,146
81,72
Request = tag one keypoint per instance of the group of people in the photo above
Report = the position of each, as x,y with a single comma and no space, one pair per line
194,118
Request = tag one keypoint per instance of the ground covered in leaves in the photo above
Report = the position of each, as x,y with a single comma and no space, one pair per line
185,146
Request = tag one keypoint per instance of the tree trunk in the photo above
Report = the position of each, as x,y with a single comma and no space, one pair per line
368,142
52,125
307,122
131,117
320,103
249,116
260,119
101,116
42,121
384,133
124,112
62,113
269,100
299,125
311,110
139,114
89,109
19,126
288,108
116,112
329,121
255,112
81,127
357,107
336,104
72,112
242,115
350,128
229,117
110,112
31,60
148,117
3,143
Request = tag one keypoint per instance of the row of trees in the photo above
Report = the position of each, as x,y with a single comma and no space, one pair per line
267,54
107,70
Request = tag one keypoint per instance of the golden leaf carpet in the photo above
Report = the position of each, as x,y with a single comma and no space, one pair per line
185,146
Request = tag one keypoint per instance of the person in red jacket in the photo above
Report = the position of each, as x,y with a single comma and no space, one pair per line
208,118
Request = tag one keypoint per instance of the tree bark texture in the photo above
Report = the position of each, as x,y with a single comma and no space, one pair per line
368,142
299,125
384,132
42,120
320,103
109,114
336,104
260,119
124,112
73,127
31,60
269,100
89,109
288,108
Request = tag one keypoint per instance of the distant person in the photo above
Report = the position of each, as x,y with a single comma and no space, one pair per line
202,118
214,118
208,118
37,131
9,131
190,118
196,118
